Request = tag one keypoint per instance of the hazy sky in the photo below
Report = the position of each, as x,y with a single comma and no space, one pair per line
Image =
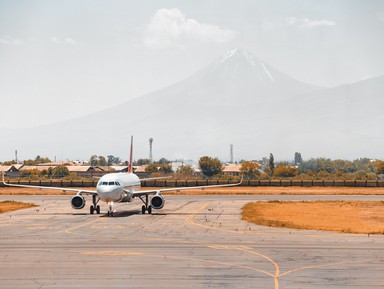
62,59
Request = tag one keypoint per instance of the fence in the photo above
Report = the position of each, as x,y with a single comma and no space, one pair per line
200,182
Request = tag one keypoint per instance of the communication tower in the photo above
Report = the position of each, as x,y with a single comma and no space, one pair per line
150,149
231,153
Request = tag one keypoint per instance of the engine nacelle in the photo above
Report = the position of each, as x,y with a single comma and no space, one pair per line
157,202
78,202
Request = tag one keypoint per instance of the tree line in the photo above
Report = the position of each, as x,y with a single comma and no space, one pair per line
267,168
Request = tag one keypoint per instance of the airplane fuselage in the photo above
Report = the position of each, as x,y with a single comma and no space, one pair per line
116,187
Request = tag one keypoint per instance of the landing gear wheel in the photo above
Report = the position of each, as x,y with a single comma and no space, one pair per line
95,206
149,210
143,209
108,214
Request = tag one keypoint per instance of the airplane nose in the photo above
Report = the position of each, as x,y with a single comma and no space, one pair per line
109,194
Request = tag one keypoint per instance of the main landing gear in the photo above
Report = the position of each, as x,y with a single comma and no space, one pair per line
145,207
95,206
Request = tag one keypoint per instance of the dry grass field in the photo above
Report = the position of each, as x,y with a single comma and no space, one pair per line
362,217
9,206
238,190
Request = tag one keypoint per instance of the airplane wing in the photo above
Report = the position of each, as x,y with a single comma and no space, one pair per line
156,178
78,191
154,192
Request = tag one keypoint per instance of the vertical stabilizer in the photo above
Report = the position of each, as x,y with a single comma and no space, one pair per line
131,157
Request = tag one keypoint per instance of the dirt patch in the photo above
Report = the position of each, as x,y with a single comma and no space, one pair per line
9,206
361,217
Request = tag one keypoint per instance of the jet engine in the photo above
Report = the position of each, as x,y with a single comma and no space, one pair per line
78,202
157,202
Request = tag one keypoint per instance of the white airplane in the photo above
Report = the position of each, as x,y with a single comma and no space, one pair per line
120,188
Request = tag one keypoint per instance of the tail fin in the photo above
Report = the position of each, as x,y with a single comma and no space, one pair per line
131,157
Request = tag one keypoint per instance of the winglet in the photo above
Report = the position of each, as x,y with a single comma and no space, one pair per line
131,157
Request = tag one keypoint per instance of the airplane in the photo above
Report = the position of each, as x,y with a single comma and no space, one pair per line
120,188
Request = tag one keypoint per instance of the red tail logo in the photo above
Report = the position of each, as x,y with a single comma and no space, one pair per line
131,157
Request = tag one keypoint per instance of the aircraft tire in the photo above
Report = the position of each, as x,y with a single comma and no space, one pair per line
150,210
98,209
143,209
91,210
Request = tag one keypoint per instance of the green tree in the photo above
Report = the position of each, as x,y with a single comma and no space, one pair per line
101,161
40,160
271,163
152,168
210,166
379,167
298,158
142,162
93,160
29,163
185,170
166,169
285,171
112,160
163,161
60,172
250,170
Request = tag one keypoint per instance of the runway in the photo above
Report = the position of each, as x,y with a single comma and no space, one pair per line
194,242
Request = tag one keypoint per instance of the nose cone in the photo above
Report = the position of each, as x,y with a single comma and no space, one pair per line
110,193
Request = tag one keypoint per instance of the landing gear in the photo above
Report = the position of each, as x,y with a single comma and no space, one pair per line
95,206
145,207
110,210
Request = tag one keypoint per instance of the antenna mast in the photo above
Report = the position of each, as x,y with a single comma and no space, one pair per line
231,153
150,149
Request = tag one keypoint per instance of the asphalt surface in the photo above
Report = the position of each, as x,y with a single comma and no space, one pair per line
194,242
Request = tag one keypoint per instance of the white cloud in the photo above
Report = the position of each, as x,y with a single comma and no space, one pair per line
306,23
10,41
170,28
63,41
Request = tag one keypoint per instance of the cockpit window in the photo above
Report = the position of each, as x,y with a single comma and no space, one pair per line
109,184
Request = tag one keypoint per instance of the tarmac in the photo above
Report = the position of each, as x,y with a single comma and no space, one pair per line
194,242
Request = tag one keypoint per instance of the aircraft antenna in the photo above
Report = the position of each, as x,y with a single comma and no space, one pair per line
150,149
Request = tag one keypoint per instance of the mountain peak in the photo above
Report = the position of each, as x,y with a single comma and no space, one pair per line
241,63
237,54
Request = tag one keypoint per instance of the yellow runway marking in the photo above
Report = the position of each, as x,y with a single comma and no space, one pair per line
111,253
69,230
249,250
42,228
323,265
107,227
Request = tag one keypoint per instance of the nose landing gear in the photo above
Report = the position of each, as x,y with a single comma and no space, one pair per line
110,209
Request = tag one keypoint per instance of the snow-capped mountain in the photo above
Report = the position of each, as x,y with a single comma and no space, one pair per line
239,100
